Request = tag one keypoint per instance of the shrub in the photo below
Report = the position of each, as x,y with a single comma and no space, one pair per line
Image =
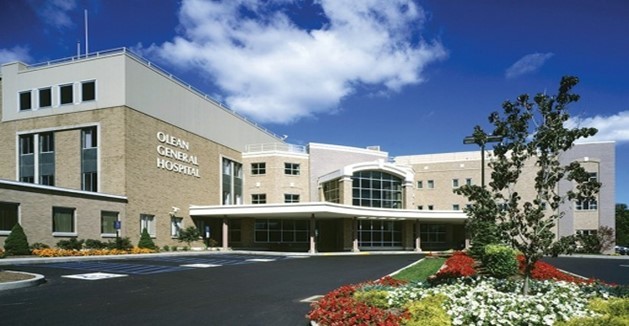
95,244
120,244
16,243
428,311
189,235
614,311
603,240
146,241
39,245
500,261
376,298
565,245
70,244
166,248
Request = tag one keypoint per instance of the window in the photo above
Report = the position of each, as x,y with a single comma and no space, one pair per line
258,198
373,233
8,217
47,159
286,231
291,198
431,184
456,207
431,207
432,233
587,205
593,176
376,189
45,97
455,183
332,192
63,220
66,94
232,182
291,168
25,101
88,91
107,222
176,224
147,222
587,232
468,181
27,158
420,184
420,207
258,168
89,159
235,230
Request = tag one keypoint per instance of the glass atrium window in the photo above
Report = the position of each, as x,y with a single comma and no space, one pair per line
376,189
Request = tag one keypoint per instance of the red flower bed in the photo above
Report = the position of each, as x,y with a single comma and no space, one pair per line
459,265
545,271
339,308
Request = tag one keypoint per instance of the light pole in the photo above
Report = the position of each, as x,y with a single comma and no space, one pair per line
481,141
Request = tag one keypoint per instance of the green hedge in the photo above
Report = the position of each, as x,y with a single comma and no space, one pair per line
428,311
499,261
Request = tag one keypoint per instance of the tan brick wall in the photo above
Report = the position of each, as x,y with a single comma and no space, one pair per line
275,183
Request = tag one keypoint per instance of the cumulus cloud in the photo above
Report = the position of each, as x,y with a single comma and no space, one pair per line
273,70
55,12
614,127
527,64
17,53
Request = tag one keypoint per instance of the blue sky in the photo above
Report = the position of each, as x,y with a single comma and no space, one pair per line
414,77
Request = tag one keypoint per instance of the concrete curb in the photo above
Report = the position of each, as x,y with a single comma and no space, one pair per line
36,280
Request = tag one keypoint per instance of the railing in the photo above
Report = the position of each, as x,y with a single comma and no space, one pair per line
275,147
154,67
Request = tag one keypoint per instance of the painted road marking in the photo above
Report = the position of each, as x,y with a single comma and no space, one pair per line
94,276
200,265
137,269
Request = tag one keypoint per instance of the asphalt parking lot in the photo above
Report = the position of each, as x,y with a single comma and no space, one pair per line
212,289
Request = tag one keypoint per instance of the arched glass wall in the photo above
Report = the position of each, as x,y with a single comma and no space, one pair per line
376,189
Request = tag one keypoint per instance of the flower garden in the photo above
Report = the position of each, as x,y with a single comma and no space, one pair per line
459,295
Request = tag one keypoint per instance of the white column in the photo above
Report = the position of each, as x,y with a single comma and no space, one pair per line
418,240
313,244
225,234
355,235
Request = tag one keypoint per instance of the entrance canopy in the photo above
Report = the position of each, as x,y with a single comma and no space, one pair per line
323,210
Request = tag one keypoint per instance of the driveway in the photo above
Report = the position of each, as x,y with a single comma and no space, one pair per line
243,290
614,269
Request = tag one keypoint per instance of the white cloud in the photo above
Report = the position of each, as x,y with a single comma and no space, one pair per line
55,12
17,53
614,127
275,71
527,64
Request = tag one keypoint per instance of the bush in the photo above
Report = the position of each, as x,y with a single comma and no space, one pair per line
120,244
16,243
95,244
189,235
428,311
499,261
70,244
146,241
166,248
376,298
613,312
603,240
39,245
565,245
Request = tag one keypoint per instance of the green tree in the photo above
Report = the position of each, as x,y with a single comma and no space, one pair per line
622,225
17,242
146,241
189,235
533,134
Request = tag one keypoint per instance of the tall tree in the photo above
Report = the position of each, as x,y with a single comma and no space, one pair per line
533,134
622,225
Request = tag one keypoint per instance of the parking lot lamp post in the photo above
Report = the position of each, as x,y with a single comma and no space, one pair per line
481,139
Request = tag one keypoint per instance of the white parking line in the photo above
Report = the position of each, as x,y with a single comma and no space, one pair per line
94,276
200,265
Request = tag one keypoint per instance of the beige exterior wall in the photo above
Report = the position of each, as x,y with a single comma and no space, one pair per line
275,183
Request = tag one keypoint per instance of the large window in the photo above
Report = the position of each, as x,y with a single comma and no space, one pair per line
176,224
432,233
379,233
107,223
8,216
291,168
274,230
376,189
586,205
66,94
258,168
232,182
47,159
63,220
25,101
27,158
88,91
331,191
147,222
235,230
89,159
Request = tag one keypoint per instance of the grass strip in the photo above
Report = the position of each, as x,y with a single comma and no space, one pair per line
420,271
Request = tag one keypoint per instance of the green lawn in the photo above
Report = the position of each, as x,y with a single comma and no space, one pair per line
420,271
